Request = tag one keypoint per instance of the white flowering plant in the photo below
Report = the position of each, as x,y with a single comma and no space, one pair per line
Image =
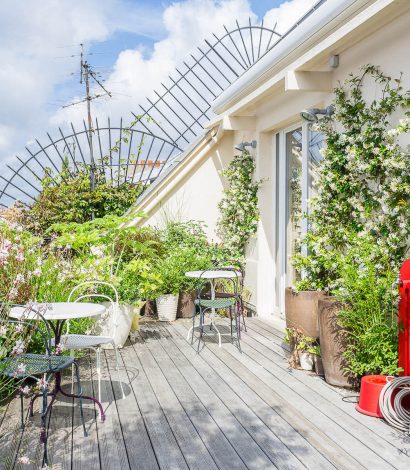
239,211
364,182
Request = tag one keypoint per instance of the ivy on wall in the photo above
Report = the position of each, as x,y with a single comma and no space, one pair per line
239,212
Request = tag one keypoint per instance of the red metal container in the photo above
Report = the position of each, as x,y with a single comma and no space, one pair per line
404,318
371,386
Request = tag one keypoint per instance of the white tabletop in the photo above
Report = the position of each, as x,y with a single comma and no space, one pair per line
213,274
61,311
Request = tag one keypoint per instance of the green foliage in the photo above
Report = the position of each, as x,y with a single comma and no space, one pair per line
364,186
67,197
239,207
370,312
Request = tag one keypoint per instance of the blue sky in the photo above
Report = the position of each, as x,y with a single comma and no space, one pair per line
136,43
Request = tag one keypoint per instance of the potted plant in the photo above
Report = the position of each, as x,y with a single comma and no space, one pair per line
303,349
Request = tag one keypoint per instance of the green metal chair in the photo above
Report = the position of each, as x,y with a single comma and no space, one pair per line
22,366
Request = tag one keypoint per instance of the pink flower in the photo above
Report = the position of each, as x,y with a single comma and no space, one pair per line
42,383
24,460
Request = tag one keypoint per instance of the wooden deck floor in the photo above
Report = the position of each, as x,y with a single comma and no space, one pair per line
220,409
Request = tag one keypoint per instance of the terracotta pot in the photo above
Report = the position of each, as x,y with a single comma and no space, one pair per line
185,304
150,309
333,340
302,311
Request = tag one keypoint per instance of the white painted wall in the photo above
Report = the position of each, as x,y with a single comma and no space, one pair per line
197,196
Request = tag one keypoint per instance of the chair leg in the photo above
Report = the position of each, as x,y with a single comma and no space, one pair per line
201,321
98,354
193,326
72,371
21,411
243,315
117,367
230,318
43,430
80,393
237,330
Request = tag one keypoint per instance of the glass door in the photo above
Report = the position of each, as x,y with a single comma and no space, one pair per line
294,208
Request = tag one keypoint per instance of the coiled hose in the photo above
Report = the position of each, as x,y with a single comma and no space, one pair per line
393,410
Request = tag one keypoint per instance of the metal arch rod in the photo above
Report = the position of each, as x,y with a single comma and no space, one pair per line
110,145
260,39
211,48
271,36
99,138
191,69
147,157
129,156
243,43
40,164
182,106
25,164
153,166
86,134
228,51
206,71
163,115
205,56
14,186
156,123
166,161
120,142
78,143
68,148
250,32
236,47
59,154
47,155
187,95
187,126
17,173
139,152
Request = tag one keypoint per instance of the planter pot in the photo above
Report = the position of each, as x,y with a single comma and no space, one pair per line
149,310
318,365
167,307
370,388
302,311
186,304
306,361
333,341
105,324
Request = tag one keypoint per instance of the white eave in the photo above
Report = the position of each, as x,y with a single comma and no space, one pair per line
319,33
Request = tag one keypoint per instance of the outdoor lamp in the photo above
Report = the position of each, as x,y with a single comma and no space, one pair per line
241,147
311,114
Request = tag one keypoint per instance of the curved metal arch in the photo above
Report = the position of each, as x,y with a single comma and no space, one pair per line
180,111
131,155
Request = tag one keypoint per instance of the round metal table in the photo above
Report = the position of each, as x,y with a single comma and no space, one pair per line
56,315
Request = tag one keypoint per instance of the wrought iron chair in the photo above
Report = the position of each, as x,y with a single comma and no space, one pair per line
94,342
23,366
235,266
206,301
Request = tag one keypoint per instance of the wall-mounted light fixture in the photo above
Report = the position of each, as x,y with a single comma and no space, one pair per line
311,114
241,147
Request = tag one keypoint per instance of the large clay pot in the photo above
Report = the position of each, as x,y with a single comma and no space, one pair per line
333,340
301,311
186,305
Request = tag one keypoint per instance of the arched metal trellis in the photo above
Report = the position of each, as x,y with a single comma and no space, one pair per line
167,123
179,111
126,155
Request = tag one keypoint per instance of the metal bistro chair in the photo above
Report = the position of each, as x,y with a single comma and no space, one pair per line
94,342
235,266
25,366
205,302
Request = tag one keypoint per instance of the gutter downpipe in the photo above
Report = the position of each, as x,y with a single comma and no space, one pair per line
293,38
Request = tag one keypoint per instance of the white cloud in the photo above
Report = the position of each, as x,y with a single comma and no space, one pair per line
30,32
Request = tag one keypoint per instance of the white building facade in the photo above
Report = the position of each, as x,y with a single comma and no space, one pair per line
264,104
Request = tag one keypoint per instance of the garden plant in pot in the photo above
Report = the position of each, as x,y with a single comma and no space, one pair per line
358,227
304,349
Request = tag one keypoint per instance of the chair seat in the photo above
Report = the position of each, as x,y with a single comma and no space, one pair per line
84,341
25,365
216,303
